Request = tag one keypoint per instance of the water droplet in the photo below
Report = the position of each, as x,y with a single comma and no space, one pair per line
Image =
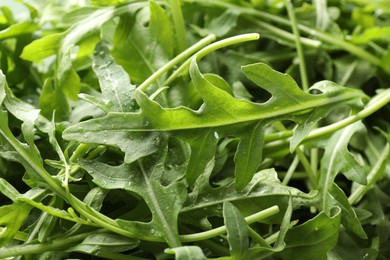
216,135
146,123
102,54
157,141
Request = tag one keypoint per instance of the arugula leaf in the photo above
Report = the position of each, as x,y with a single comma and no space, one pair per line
12,218
163,201
321,234
142,50
220,109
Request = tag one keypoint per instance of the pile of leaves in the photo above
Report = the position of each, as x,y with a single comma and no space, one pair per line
236,129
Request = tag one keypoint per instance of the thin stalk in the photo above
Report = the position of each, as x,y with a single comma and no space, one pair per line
172,63
222,229
179,25
210,48
54,245
302,63
258,238
283,34
291,170
314,161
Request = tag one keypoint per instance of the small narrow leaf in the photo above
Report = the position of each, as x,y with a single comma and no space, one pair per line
97,243
249,154
202,149
237,232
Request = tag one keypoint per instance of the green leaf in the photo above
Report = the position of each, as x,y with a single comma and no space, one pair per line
18,29
142,50
221,109
237,232
249,154
221,25
372,34
349,218
337,159
202,149
12,217
187,253
53,100
43,48
264,190
114,81
163,201
321,234
96,243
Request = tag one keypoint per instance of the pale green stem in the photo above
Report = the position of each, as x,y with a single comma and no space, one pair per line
291,170
285,34
314,161
222,229
302,63
29,249
172,63
213,47
258,238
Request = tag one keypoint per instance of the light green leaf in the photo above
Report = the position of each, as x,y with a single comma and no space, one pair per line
372,34
106,2
42,48
114,81
8,190
52,100
187,253
237,232
12,217
18,29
